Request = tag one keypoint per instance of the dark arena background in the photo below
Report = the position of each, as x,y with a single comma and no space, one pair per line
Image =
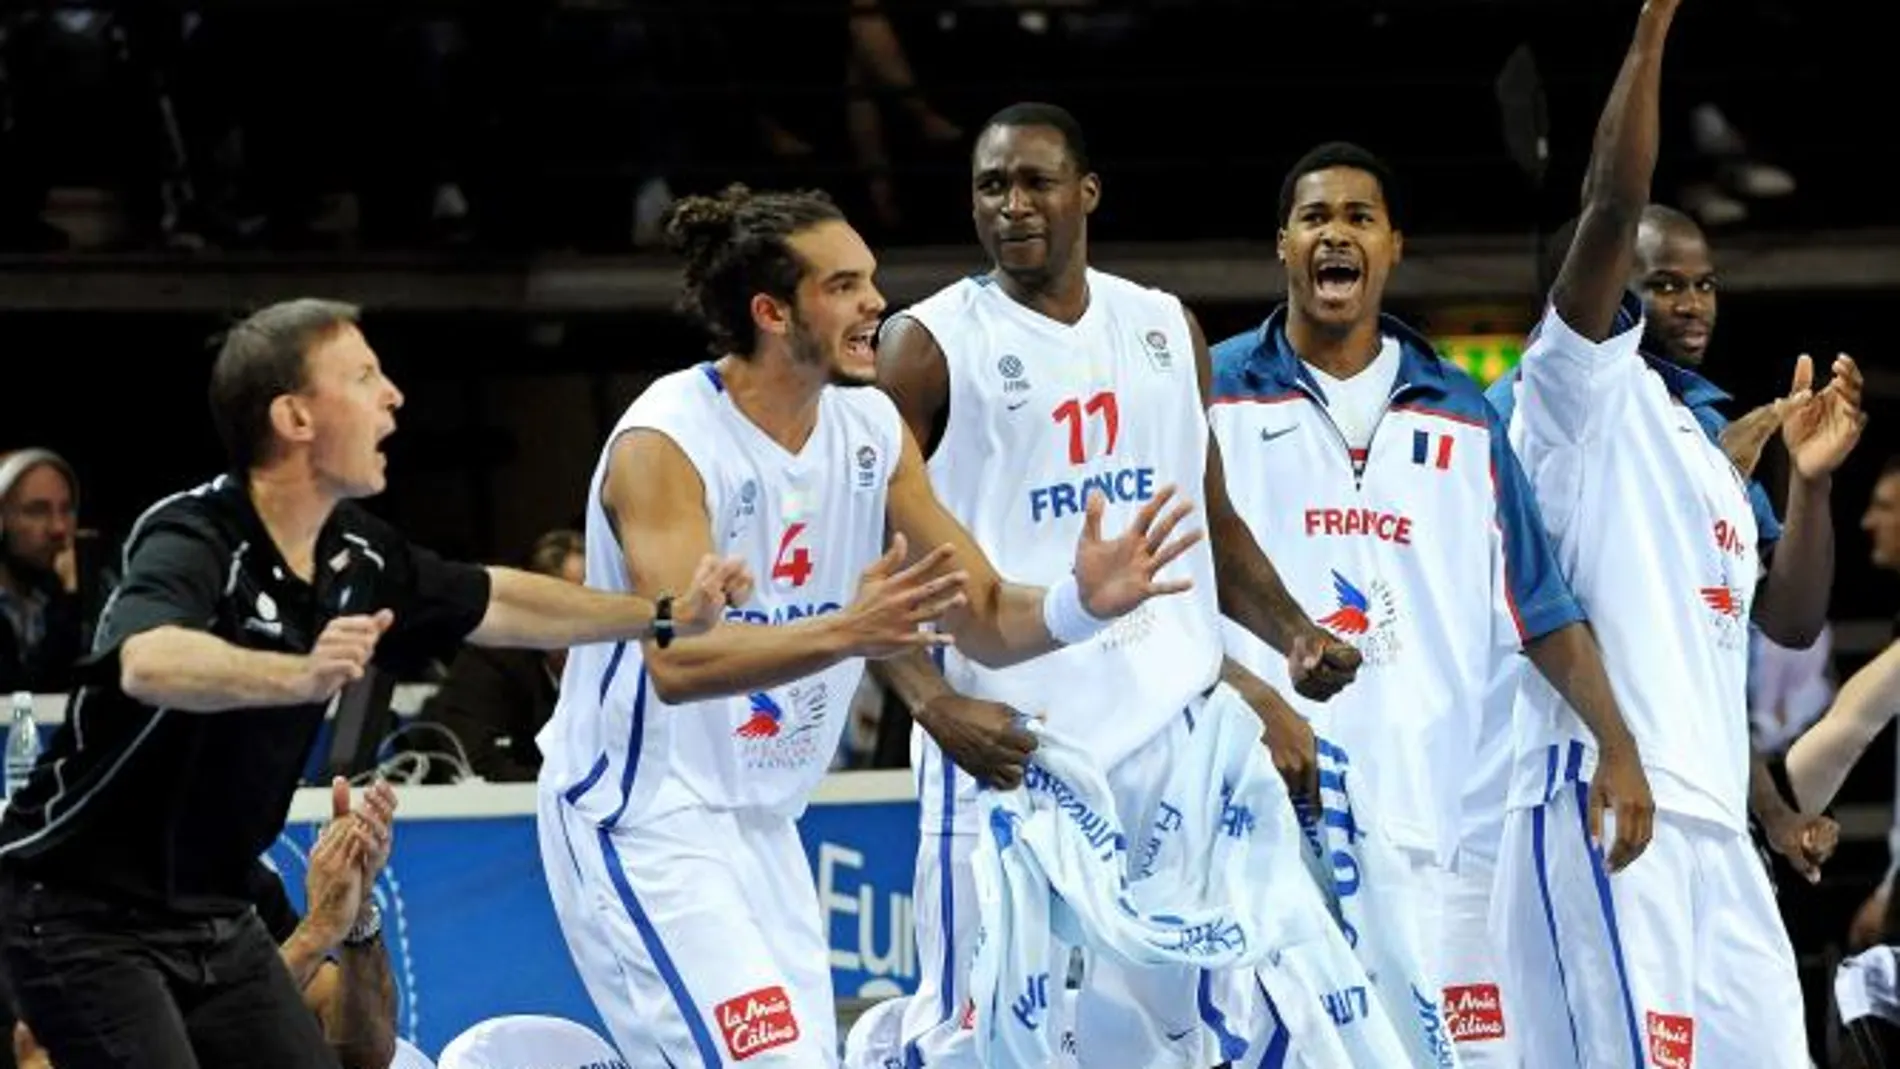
486,180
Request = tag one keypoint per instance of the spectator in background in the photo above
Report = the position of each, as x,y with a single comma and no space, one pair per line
335,953
42,625
495,700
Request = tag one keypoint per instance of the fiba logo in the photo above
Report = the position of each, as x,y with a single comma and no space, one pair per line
1012,369
289,858
1157,346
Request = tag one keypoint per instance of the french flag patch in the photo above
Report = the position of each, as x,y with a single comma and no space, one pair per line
1431,449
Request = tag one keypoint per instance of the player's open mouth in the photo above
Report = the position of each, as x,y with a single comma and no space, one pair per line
1335,279
861,344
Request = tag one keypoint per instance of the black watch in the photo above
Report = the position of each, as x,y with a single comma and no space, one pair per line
663,620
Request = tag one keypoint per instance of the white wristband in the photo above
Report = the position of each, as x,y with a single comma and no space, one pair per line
1068,620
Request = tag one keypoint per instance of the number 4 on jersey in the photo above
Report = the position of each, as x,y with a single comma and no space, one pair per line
793,564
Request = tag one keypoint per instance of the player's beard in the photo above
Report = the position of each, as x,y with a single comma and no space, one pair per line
808,350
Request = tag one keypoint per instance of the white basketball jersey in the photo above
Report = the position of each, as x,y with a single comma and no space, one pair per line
807,525
1042,414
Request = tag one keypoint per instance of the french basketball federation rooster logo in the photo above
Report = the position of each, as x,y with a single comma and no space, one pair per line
766,720
1350,619
1369,619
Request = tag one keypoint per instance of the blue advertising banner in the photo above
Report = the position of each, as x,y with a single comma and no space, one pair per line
471,930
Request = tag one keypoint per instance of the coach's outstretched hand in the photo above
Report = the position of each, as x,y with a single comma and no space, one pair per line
983,738
1621,787
893,604
716,584
1115,576
1321,665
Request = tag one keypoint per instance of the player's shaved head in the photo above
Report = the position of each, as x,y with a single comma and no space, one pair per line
1675,274
1663,217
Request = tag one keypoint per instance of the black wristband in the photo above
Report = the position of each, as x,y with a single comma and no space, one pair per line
663,620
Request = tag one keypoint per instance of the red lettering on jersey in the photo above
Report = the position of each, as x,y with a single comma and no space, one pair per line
1474,1013
1727,538
756,1021
1384,526
1671,1040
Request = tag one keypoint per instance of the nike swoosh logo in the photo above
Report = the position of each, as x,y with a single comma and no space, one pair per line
1176,1037
1268,436
1016,406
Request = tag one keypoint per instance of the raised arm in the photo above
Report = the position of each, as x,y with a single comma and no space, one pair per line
1820,428
1596,270
657,502
1251,593
1004,623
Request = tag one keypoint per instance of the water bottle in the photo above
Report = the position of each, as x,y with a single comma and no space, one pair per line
23,742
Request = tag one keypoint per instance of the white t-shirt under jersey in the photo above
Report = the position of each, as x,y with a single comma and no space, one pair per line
1041,413
1357,403
807,524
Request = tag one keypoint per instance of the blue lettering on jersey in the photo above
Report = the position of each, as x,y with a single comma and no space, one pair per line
1032,1005
1431,1023
1346,1005
782,614
1064,499
1098,830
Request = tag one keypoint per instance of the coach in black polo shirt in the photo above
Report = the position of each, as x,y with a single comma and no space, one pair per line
245,605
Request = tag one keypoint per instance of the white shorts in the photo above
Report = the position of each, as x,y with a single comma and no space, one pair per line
1479,1009
698,936
1679,960
1122,1015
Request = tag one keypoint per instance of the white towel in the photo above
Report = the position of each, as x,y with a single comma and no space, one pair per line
1868,985
1378,919
1231,890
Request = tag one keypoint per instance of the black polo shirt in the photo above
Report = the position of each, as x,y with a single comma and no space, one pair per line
170,808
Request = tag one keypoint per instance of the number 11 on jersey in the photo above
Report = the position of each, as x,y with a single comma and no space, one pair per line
1075,413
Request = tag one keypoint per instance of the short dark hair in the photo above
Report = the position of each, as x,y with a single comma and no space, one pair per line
737,244
1056,117
552,549
1343,154
261,359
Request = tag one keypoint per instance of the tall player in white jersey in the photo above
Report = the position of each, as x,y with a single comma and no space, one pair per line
1040,383
1375,472
674,771
1680,959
